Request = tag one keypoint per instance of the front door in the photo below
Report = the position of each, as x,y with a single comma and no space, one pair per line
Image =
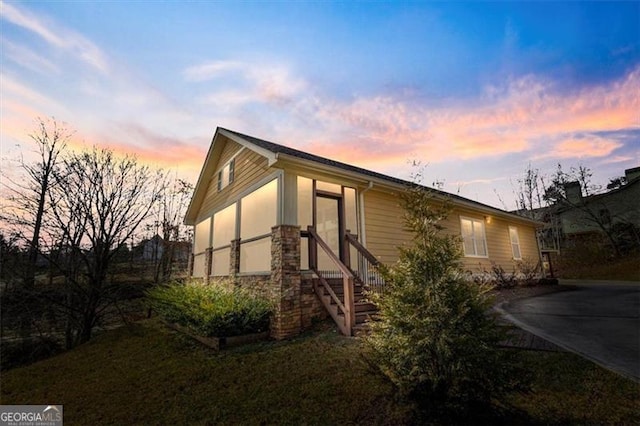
329,226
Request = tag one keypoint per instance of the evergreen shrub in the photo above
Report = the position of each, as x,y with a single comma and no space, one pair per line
436,337
212,310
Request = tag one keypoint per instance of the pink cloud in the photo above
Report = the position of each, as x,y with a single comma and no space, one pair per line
528,115
580,148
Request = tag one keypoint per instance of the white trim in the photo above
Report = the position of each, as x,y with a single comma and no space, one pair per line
270,156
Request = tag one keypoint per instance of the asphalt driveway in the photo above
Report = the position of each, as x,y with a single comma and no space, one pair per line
596,319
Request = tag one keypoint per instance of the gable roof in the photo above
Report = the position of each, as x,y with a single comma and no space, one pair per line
275,152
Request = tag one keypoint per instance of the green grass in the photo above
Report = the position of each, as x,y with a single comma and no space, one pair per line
149,375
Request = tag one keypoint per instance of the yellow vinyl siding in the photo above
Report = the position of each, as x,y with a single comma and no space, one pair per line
498,241
385,232
250,167
230,149
384,227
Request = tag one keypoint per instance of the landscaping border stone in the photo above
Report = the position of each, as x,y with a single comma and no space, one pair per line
218,343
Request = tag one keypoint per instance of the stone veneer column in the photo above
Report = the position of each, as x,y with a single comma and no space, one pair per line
234,258
190,264
208,257
285,281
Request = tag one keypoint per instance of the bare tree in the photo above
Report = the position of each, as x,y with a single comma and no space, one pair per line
529,192
28,191
172,206
98,202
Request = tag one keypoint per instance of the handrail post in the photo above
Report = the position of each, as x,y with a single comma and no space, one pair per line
349,304
346,249
313,249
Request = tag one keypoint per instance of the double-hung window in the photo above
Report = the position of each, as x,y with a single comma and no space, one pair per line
473,237
515,242
225,175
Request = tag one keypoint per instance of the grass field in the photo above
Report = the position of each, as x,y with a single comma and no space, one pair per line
146,374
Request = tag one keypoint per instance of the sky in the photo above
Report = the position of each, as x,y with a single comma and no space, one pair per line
474,91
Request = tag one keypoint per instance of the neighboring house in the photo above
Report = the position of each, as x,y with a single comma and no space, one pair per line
305,230
152,249
614,214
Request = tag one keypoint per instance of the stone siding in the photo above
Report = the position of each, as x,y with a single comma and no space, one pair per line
296,305
286,280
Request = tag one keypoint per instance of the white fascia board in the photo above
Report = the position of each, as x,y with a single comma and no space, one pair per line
270,156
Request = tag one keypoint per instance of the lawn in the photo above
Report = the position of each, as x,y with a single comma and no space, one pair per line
146,374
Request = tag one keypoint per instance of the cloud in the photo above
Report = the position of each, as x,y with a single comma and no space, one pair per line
211,70
619,159
55,35
25,57
237,82
527,115
590,146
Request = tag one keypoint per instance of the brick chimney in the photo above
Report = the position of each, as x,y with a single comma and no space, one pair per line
573,191
631,174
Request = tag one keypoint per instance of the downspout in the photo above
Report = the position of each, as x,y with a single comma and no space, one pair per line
363,234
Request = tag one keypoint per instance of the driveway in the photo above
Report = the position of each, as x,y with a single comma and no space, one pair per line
598,320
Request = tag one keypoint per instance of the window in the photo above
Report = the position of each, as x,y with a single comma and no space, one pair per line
224,230
515,242
258,214
201,239
221,260
259,211
473,237
305,202
224,227
225,175
328,187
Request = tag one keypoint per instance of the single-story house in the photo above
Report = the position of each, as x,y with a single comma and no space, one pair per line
305,230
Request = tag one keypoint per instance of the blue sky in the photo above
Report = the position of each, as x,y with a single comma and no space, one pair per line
475,90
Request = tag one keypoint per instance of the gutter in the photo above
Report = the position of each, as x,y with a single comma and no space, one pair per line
363,234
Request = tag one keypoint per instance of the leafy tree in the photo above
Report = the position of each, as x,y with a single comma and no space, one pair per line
436,337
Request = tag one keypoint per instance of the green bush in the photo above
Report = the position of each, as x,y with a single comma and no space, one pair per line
436,337
214,310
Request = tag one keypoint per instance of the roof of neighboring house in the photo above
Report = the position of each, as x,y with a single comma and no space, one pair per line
600,197
277,150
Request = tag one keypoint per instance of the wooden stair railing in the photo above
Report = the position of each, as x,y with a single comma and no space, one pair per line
366,267
342,313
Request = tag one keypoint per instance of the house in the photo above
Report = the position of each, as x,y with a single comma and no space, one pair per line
305,230
152,249
614,215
